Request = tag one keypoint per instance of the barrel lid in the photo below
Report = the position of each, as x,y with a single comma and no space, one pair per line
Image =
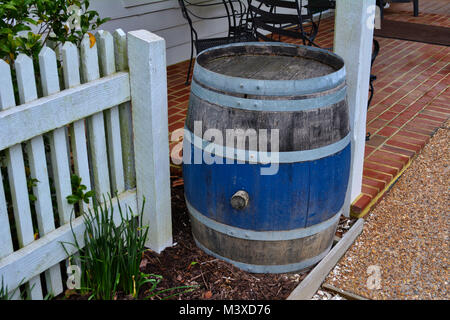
269,68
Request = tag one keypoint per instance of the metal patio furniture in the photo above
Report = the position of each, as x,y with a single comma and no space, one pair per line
235,15
273,19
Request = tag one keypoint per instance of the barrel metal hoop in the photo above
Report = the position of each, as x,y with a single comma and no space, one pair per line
267,87
257,157
267,268
262,235
224,100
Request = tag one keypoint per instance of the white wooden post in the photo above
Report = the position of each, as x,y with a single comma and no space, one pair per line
148,80
353,38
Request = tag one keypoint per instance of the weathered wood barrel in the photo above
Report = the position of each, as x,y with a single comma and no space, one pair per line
271,206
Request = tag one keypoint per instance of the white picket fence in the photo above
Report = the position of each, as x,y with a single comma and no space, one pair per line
109,126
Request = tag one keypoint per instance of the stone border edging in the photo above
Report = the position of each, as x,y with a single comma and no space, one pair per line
309,286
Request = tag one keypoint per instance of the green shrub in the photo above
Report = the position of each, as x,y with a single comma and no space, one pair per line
27,25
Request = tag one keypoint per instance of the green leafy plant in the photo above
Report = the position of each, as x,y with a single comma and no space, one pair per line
31,183
27,25
79,192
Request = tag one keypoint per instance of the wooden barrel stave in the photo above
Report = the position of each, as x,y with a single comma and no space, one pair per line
313,128
272,254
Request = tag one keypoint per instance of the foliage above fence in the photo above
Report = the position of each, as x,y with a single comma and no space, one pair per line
27,25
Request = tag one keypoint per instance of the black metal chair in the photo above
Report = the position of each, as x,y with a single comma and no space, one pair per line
236,15
273,19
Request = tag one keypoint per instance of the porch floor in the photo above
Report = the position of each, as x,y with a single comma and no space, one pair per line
410,103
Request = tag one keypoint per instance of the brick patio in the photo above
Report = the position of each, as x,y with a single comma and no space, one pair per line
411,99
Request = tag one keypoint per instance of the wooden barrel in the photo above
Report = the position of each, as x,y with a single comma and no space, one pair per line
282,219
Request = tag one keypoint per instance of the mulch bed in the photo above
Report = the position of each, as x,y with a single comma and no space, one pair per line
185,264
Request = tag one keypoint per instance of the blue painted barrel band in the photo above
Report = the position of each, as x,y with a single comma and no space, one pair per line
268,87
267,268
224,100
262,235
252,156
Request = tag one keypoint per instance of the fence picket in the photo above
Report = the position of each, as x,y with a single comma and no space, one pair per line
7,100
43,206
120,50
21,205
41,189
71,73
126,124
6,87
58,141
60,162
25,79
96,123
107,67
61,173
6,246
27,92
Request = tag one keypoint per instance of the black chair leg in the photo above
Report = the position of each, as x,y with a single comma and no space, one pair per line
190,64
416,8
371,90
380,5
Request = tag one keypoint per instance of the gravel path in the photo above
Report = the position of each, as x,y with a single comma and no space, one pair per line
406,235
